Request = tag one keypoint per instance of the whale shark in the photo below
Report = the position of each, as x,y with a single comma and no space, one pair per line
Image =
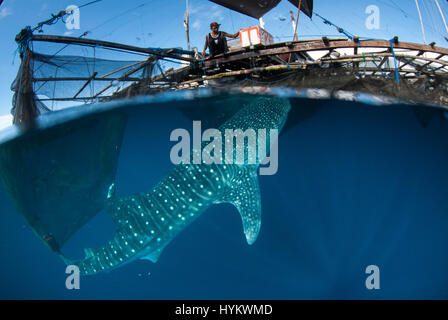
146,222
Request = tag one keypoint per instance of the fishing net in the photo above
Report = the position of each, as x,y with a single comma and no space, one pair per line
50,79
58,189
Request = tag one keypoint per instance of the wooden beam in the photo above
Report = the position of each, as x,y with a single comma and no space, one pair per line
399,55
70,99
438,68
293,66
407,62
85,84
141,66
107,44
281,67
381,64
83,79
428,63
122,68
315,45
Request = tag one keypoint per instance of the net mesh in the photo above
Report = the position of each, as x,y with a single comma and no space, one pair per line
48,82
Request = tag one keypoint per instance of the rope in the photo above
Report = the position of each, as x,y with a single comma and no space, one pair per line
340,30
23,40
397,76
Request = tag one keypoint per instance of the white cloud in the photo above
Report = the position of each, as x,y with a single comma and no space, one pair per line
68,33
43,8
5,121
196,25
207,12
194,10
217,13
4,12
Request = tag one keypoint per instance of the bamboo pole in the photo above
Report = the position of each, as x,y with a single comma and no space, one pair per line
72,99
85,84
187,27
149,60
349,58
83,79
243,72
295,66
122,68
297,20
296,38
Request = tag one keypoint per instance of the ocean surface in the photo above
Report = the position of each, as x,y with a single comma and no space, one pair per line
358,184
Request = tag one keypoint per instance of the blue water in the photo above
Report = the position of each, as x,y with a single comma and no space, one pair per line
357,185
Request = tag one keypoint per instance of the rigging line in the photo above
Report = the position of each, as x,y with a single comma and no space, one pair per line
119,15
340,30
55,18
231,19
118,27
407,15
429,14
395,6
399,8
421,21
317,26
89,3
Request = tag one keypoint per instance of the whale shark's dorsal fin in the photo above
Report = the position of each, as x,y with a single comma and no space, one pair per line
245,196
111,191
117,209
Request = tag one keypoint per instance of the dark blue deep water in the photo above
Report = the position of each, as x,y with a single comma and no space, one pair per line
357,185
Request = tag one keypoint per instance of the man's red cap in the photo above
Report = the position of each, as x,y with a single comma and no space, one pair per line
214,24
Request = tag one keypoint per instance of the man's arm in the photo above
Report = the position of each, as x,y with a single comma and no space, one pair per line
233,36
205,47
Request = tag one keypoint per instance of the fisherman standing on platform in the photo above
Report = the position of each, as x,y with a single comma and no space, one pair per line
216,40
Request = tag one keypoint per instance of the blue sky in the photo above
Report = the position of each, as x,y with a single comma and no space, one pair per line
157,23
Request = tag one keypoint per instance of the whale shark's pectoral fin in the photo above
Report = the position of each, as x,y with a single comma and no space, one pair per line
153,256
245,196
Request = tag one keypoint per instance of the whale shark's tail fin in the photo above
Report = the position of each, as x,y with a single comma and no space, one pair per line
244,194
